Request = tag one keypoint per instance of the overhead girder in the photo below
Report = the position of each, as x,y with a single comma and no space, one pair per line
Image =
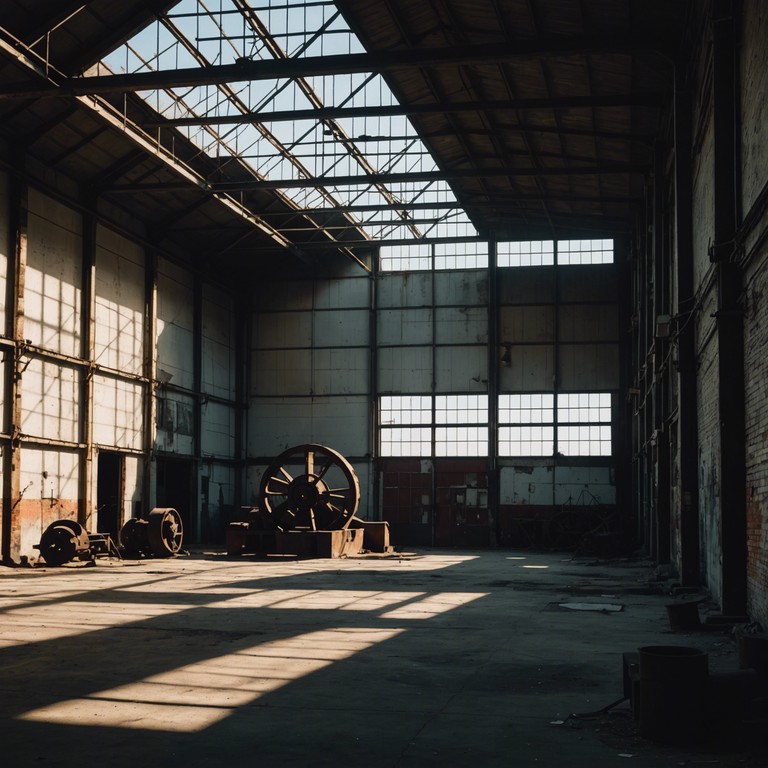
651,99
388,178
339,64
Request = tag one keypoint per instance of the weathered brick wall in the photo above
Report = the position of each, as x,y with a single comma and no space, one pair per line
754,141
707,383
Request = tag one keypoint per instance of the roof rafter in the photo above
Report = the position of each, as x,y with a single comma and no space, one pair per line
339,64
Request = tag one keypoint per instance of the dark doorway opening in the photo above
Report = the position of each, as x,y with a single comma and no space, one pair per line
109,492
175,479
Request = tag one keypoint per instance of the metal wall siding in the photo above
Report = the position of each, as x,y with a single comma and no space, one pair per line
404,326
461,325
461,369
218,430
406,370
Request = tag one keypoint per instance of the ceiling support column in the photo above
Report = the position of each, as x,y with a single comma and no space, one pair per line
687,421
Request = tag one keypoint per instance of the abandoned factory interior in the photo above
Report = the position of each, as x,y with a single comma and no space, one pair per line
383,381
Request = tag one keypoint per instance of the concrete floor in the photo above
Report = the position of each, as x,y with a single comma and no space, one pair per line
430,658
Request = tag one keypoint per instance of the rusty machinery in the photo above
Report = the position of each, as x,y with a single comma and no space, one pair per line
160,534
308,498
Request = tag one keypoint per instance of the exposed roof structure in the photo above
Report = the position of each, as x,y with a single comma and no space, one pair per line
252,132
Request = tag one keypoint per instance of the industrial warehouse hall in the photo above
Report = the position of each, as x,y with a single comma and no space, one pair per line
347,345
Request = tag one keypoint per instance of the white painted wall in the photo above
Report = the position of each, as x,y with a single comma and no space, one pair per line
49,483
52,291
175,313
118,408
50,400
119,310
134,468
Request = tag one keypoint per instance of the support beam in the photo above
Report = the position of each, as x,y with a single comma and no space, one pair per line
423,177
13,495
246,69
650,99
687,421
85,506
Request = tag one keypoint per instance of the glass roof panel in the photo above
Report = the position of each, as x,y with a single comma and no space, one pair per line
339,151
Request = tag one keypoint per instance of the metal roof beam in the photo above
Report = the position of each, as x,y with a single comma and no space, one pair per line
341,64
651,99
387,178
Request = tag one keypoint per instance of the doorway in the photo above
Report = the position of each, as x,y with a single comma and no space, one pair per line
109,492
175,481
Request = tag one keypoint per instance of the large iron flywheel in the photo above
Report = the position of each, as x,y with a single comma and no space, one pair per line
310,487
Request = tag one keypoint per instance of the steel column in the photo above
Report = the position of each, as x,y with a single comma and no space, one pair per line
686,338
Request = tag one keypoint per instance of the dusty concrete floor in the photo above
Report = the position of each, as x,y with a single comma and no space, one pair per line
430,658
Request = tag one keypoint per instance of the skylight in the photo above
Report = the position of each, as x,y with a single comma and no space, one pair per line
288,144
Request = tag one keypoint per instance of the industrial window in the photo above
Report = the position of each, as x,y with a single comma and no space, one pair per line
534,253
584,424
461,255
526,425
529,424
405,425
405,258
439,256
585,251
462,425
457,425
542,253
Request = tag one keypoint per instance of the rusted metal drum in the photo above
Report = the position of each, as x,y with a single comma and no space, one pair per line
673,693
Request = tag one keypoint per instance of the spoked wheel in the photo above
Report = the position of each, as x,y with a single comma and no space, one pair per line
310,486
165,531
